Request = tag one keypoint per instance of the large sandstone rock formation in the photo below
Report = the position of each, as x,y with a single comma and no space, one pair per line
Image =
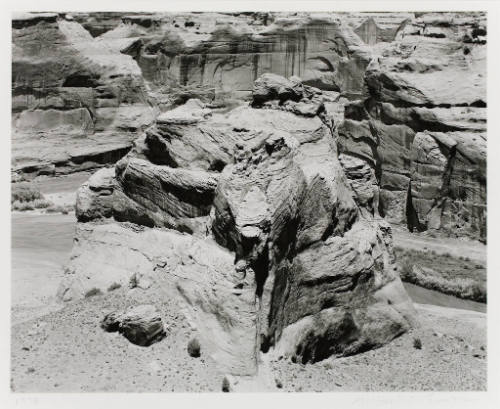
272,242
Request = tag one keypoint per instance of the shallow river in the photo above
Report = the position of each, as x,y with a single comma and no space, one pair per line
41,245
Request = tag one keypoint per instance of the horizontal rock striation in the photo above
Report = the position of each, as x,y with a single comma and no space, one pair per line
77,103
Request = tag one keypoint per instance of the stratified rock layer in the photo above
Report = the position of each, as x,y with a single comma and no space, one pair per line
423,128
77,103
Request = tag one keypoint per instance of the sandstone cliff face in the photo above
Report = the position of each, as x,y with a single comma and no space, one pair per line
276,250
423,127
76,103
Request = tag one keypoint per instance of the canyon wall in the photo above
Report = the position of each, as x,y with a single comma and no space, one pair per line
409,92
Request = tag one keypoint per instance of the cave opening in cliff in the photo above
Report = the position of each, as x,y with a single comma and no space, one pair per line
78,80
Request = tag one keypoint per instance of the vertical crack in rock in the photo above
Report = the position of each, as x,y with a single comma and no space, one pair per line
412,220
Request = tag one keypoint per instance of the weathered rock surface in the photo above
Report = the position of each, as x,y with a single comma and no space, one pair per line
76,103
286,250
423,128
141,325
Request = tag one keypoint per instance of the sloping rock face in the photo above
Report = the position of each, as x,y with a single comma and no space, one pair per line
272,245
423,128
76,103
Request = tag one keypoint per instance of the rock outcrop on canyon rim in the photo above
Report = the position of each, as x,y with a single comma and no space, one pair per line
271,243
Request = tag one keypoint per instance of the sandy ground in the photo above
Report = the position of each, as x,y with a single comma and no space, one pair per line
40,246
67,351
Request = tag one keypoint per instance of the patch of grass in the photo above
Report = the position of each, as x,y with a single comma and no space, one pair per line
24,192
24,196
93,292
22,206
114,286
460,277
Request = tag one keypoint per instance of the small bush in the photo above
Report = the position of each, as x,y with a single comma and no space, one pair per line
93,292
417,343
22,206
114,286
226,387
194,348
133,282
26,197
24,192
41,203
279,384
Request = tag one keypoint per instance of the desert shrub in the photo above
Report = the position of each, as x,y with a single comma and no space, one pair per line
114,286
24,192
133,282
41,203
406,269
194,348
93,292
22,206
278,383
24,196
417,343
226,387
